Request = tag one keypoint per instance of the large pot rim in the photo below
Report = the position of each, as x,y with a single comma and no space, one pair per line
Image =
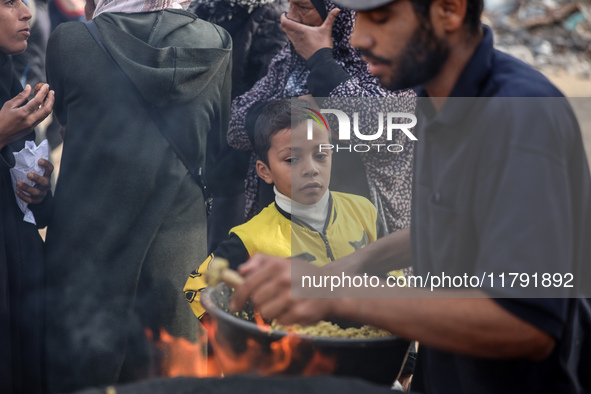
211,307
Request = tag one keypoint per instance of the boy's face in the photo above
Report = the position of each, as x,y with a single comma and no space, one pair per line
297,167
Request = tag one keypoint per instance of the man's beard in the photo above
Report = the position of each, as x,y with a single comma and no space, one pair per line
421,61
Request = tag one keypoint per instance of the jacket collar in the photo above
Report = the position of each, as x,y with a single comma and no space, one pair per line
330,219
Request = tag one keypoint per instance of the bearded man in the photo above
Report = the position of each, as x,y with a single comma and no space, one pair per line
500,185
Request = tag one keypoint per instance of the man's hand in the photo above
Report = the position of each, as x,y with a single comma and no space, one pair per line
34,195
309,39
17,121
476,326
268,283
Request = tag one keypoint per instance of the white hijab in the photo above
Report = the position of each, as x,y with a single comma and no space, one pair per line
137,6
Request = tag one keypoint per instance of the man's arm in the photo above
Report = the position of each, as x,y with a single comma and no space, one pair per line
472,326
388,253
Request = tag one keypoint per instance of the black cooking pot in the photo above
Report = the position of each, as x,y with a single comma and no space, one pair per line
241,346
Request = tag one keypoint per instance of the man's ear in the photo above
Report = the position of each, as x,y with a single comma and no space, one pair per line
448,16
264,172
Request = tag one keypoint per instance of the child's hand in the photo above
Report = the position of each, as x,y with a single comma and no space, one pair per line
34,195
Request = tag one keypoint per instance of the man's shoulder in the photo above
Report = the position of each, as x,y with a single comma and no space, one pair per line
527,110
512,77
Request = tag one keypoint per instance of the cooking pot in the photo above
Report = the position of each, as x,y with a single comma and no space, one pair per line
242,346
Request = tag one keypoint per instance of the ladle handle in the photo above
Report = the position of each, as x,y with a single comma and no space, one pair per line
231,278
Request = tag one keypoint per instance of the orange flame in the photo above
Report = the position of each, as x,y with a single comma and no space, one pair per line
287,355
290,354
320,364
181,357
260,322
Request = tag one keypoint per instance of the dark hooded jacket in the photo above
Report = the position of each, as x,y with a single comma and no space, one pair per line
257,37
129,220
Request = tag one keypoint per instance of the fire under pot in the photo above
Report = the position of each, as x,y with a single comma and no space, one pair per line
245,347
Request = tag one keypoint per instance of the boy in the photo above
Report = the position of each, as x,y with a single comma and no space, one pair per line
306,220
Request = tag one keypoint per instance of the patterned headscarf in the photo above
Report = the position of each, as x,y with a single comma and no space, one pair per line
287,78
288,74
137,6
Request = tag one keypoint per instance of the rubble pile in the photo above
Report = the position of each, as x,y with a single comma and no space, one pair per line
552,35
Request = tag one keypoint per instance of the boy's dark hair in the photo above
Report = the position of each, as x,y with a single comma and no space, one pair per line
473,12
277,116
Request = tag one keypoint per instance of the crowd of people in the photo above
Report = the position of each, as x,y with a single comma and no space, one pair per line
187,133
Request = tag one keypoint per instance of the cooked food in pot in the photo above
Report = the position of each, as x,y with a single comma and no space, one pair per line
328,329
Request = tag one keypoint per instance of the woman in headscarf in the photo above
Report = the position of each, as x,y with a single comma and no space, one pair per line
129,214
21,247
325,65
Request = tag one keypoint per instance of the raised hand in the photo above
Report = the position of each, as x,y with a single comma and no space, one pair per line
17,120
309,39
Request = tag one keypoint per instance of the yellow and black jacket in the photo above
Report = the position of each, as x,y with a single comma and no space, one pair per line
351,224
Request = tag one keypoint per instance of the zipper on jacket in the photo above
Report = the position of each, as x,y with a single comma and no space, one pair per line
322,234
327,246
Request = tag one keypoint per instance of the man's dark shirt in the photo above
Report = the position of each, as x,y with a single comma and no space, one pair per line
501,185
